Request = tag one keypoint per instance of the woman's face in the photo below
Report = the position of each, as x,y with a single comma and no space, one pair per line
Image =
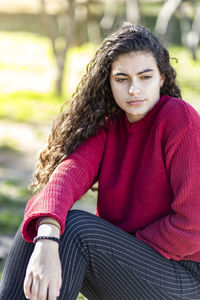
135,83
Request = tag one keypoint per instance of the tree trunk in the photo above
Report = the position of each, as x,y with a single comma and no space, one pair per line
109,16
133,11
54,27
166,12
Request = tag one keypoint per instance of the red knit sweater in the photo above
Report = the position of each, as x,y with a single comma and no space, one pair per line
149,180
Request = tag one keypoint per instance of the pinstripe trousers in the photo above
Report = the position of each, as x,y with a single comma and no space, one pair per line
105,263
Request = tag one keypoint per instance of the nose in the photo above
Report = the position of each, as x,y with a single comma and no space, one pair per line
134,90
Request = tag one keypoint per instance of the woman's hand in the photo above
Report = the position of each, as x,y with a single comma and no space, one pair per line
43,274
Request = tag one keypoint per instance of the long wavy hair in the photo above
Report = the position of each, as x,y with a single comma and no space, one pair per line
93,102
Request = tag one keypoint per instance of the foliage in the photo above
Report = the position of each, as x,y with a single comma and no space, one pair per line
29,107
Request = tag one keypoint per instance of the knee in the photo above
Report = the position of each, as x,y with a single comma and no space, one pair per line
78,219
78,232
80,226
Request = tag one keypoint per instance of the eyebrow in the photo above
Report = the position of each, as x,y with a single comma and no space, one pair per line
139,73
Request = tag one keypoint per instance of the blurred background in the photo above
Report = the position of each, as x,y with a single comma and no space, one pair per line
45,46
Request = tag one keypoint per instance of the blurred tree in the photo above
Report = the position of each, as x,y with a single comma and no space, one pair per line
66,23
190,29
108,18
167,11
133,11
188,14
60,28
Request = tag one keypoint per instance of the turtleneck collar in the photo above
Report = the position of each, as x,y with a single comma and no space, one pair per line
148,118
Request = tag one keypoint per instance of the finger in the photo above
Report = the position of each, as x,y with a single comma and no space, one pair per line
27,285
43,289
52,291
59,286
34,288
58,292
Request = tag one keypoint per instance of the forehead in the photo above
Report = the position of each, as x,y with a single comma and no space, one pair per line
134,61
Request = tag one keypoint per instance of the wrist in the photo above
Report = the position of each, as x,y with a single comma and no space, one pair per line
46,245
48,220
48,230
48,238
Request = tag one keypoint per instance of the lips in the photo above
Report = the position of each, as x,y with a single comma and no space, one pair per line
135,102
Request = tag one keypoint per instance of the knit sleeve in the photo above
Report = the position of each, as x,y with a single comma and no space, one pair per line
177,236
70,180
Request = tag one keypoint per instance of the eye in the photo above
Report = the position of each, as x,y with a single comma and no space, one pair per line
146,77
120,79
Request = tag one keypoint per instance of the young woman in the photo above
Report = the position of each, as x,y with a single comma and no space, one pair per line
128,129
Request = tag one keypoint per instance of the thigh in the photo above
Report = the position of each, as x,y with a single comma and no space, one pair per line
120,262
108,280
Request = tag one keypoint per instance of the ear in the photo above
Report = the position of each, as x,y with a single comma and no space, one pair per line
162,80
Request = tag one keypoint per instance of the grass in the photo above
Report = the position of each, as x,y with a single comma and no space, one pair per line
29,107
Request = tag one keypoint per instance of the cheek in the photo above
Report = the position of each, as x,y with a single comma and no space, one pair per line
154,87
112,87
115,88
119,88
116,96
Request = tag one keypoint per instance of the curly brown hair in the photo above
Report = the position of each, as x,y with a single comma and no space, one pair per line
93,101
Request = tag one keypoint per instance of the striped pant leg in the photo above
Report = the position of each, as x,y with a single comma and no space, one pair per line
104,262
11,285
119,266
